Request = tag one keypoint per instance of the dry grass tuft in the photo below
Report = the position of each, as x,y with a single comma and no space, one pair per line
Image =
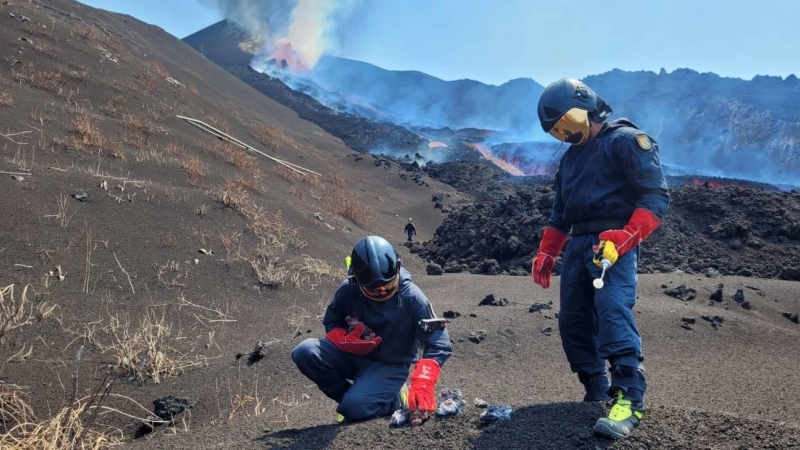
268,270
195,170
6,99
84,31
70,428
218,123
15,405
80,74
18,312
287,173
45,48
234,195
143,351
338,181
42,79
310,271
87,131
142,128
112,106
273,137
175,149
337,200
239,157
275,235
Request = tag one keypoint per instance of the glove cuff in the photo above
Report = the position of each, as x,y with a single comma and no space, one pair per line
553,241
426,369
645,221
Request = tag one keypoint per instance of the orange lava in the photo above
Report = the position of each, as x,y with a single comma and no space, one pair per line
486,152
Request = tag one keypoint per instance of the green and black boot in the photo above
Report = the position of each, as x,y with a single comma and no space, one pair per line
622,419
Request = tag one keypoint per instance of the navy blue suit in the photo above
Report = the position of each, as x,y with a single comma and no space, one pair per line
379,375
597,187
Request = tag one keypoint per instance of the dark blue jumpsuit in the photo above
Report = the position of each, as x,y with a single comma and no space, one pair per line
378,376
597,187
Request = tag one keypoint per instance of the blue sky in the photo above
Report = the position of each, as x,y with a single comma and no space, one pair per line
497,40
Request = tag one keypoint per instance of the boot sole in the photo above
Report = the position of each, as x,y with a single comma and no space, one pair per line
606,431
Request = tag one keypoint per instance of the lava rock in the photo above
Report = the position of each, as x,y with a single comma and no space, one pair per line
713,273
715,321
495,413
717,295
80,195
490,300
738,297
434,269
682,293
547,331
259,352
451,402
477,336
166,408
451,314
536,307
792,317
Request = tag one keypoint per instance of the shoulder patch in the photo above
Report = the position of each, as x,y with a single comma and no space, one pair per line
644,142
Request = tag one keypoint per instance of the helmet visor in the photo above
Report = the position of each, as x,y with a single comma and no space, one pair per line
572,127
382,293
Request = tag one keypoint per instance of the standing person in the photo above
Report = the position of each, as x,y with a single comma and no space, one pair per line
394,316
609,187
410,229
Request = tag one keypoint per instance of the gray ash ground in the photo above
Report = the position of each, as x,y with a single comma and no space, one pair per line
750,232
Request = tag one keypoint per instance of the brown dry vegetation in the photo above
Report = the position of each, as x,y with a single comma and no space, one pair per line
218,123
237,156
6,99
84,31
195,170
45,48
40,78
273,137
17,311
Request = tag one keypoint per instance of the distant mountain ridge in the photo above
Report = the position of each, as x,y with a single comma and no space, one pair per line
705,124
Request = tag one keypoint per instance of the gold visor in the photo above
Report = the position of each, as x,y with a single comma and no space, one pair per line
572,127
382,293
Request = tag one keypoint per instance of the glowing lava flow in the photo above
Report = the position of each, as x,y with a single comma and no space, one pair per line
287,58
486,152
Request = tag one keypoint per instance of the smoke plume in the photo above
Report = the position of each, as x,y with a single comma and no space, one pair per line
305,28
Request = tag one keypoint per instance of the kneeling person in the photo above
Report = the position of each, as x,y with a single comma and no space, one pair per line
382,296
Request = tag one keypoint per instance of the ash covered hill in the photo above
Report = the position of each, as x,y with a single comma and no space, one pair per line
231,47
736,230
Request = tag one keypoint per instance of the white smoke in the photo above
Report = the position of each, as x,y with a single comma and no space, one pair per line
310,27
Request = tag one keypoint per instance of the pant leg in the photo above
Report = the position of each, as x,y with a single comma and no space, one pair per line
324,364
619,339
577,319
375,391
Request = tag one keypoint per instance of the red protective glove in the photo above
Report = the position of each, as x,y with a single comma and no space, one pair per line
421,394
639,227
553,241
351,342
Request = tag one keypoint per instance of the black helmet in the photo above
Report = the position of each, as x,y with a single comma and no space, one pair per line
375,267
565,108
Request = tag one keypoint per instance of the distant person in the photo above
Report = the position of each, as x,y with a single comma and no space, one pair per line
410,229
381,295
609,187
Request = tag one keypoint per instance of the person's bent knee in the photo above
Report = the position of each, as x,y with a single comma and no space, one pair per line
305,350
354,409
